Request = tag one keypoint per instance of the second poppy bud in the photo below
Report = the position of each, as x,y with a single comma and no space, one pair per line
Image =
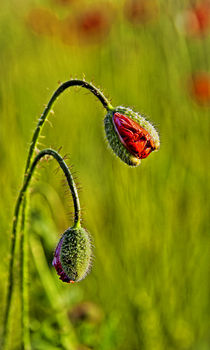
72,257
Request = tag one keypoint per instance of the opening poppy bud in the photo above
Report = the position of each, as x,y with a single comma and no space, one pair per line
72,257
130,135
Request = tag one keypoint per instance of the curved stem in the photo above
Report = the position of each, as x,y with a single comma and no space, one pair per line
22,201
42,119
63,87
24,239
67,173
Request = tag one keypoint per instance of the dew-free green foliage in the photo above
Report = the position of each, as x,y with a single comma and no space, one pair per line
150,275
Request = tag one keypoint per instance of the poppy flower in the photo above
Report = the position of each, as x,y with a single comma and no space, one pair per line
135,138
199,86
202,12
93,24
195,21
130,135
141,11
72,257
43,22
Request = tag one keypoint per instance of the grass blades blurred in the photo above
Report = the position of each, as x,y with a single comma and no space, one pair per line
149,285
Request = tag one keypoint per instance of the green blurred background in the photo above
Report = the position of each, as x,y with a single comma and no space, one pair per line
149,284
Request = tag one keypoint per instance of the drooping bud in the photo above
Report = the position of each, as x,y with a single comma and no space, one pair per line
130,135
72,258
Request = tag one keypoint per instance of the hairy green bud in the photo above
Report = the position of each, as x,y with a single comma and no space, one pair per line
72,258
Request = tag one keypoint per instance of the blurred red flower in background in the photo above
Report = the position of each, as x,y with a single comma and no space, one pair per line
141,11
83,25
199,86
94,24
43,21
89,25
195,21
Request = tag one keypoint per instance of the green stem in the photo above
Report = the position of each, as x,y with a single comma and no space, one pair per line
24,239
68,337
24,280
67,173
63,87
24,247
41,121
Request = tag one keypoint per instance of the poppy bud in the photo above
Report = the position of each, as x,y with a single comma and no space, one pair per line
130,135
72,256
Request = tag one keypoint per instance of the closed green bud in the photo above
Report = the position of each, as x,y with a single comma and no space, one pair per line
72,258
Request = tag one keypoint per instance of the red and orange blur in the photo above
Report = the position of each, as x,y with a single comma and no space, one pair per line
199,86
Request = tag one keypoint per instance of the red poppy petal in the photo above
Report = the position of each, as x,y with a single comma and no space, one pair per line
135,138
146,152
122,121
136,148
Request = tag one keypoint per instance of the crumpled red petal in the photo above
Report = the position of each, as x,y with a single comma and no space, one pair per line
135,138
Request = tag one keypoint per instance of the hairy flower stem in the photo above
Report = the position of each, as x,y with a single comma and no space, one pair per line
24,240
63,87
67,173
24,281
21,196
24,259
